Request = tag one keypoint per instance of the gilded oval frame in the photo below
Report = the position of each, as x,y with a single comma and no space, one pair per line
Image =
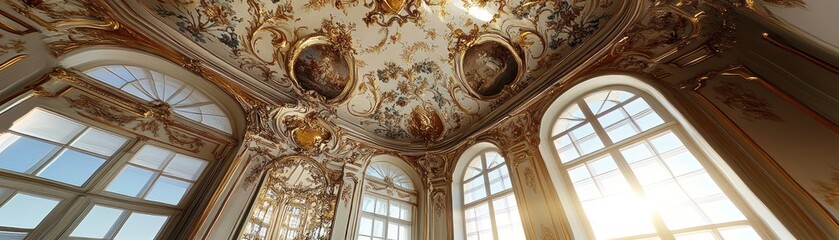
516,53
348,57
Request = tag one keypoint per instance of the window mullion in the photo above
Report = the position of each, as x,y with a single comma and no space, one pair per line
147,188
595,124
630,177
488,197
117,224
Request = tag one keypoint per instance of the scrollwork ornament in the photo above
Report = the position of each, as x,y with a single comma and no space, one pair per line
386,12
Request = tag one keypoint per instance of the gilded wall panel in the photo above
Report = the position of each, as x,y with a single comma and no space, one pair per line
793,137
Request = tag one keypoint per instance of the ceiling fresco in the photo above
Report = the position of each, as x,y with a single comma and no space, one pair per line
404,70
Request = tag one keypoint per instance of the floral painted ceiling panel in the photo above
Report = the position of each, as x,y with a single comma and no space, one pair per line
403,70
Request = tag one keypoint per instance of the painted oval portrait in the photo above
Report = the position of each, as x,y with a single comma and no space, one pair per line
321,68
488,67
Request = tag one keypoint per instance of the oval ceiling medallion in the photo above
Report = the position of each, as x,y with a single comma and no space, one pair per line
489,65
318,67
425,124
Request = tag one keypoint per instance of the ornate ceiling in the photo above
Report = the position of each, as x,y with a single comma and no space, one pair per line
396,71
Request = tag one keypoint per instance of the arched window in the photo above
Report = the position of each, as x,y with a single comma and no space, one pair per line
489,208
79,164
633,172
154,87
388,205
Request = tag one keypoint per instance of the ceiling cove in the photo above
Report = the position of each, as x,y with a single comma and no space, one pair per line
396,72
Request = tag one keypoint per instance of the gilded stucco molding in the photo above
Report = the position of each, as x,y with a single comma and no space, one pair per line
753,107
829,189
804,222
667,30
780,43
79,24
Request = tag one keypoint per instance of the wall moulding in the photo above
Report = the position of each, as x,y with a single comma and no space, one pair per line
773,167
746,74
783,44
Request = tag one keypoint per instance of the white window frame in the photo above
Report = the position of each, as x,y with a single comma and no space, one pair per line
412,194
490,197
75,202
757,215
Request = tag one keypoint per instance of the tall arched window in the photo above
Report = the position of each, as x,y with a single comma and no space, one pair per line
633,173
489,203
81,164
388,204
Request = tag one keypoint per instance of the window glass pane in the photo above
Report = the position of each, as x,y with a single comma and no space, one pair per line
141,226
151,156
97,222
368,204
621,131
566,154
636,106
602,165
185,167
648,121
394,210
578,173
381,206
601,101
167,190
493,159
582,132
46,125
499,180
507,219
699,185
404,233
392,231
72,167
474,190
25,211
612,207
739,233
612,117
572,117
682,162
21,154
99,142
365,226
589,144
406,213
666,142
637,152
475,167
130,181
478,218
378,228
703,235
721,211
649,172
